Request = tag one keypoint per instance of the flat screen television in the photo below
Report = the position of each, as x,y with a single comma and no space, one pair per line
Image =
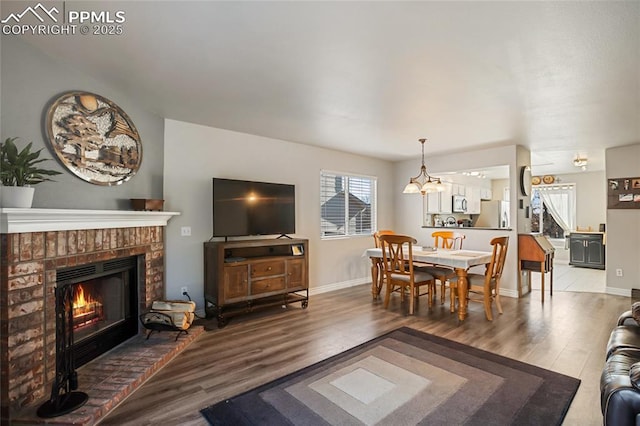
243,208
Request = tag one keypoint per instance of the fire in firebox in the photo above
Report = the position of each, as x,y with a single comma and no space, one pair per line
87,309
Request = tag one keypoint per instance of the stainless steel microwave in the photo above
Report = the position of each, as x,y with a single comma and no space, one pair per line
459,204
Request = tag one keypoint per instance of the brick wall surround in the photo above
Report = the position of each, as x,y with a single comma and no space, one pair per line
28,263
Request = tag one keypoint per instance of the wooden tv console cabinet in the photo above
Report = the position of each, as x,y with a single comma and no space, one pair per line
241,276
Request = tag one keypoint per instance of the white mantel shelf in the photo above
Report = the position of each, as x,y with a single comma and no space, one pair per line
13,221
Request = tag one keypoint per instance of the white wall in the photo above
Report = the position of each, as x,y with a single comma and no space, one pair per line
591,190
30,82
409,206
623,226
498,186
195,154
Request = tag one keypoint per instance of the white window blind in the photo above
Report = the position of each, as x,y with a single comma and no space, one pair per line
347,204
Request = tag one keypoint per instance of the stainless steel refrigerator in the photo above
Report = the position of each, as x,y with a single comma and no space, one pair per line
493,214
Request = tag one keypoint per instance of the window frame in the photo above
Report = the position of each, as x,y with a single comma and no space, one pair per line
372,194
570,188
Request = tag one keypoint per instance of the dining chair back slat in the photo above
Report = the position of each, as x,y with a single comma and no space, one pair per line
377,269
377,234
448,239
397,252
498,258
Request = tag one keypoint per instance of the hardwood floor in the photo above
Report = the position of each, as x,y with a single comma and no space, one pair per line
567,334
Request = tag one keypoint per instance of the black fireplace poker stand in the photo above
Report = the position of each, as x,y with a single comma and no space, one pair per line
64,398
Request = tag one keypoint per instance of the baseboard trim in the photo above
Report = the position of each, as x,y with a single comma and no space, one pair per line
360,281
509,293
338,286
618,291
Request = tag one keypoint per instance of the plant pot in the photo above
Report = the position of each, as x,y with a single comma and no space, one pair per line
16,196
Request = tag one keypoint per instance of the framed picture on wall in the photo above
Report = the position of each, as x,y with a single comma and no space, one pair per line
623,193
93,138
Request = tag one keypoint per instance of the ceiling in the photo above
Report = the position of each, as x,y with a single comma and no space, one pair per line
562,78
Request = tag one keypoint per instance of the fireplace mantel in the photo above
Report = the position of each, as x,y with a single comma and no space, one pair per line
13,221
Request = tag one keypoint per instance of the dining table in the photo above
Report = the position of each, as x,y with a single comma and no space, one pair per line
459,260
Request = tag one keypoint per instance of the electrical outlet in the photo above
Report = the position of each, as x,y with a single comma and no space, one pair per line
183,290
619,272
185,231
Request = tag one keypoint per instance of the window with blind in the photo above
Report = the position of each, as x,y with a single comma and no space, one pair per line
347,204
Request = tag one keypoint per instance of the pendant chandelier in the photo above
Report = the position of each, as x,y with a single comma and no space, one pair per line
423,183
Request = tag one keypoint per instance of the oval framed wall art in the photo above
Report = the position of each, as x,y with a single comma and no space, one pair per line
94,138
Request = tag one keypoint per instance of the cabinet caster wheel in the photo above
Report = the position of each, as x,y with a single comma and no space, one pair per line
305,304
222,321
211,311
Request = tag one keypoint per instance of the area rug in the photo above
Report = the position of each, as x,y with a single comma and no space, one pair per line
406,377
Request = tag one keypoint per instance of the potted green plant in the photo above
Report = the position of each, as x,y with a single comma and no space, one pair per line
18,171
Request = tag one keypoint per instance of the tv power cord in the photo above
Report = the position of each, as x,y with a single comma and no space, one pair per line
184,293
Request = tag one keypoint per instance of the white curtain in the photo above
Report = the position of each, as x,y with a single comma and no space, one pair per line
561,204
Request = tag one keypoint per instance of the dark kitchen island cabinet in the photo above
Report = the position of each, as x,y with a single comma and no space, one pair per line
586,249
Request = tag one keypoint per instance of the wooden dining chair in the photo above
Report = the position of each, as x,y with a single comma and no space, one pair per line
376,235
447,240
400,273
487,285
376,287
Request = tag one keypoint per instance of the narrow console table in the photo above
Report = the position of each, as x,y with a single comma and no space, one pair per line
241,276
535,253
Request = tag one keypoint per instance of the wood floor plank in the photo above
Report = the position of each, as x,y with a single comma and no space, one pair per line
567,334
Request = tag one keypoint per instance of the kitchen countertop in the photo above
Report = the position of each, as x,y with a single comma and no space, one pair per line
452,228
587,232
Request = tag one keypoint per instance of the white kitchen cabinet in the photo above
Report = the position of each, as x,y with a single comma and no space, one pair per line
438,202
432,203
446,200
474,199
457,189
486,194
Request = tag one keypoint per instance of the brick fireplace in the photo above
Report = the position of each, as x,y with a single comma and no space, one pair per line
34,243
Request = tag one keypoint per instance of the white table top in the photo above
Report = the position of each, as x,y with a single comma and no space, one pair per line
462,259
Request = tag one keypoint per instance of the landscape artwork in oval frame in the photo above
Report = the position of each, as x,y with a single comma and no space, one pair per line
94,138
